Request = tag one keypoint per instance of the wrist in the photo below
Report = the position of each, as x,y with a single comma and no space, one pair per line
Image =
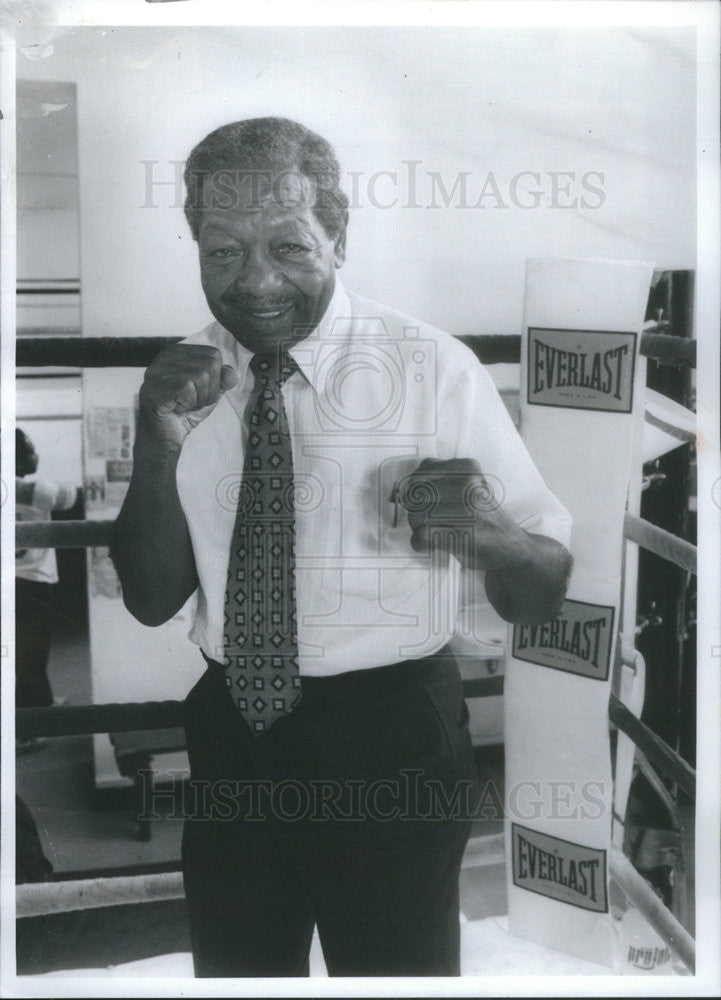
507,550
156,445
162,434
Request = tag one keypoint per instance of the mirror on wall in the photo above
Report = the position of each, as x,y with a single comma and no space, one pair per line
48,268
48,242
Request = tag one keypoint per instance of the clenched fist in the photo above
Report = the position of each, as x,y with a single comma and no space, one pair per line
182,386
452,506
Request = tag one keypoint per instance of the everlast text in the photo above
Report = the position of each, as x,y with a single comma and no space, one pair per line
578,641
581,369
559,869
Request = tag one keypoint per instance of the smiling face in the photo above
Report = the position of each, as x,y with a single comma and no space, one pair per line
267,266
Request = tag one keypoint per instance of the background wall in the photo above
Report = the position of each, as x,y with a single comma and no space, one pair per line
619,102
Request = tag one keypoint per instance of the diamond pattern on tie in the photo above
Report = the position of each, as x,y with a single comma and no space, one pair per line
260,614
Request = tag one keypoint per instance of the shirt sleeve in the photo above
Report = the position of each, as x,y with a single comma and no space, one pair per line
478,426
481,428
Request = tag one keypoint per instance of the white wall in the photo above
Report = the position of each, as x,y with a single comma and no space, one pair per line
618,101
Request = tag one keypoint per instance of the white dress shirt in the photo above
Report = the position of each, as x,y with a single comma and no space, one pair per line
377,392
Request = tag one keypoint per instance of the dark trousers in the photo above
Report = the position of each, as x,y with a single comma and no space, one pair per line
351,814
33,611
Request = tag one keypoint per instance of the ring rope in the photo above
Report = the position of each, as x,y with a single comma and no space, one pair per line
79,720
640,893
90,352
132,717
680,433
62,534
41,898
138,352
661,542
75,720
669,350
657,750
83,534
37,899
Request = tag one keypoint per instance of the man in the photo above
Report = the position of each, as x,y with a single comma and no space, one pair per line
320,469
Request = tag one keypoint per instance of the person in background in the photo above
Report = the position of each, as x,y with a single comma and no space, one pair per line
36,573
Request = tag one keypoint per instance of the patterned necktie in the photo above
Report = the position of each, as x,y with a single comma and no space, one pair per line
261,643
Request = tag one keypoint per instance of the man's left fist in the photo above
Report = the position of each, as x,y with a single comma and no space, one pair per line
452,506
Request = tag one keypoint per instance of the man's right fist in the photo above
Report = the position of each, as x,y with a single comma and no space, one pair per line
182,386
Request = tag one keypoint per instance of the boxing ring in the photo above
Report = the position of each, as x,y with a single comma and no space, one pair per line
43,898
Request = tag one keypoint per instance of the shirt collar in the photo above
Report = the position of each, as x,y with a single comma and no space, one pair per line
307,353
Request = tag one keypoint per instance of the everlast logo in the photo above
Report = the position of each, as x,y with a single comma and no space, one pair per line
577,641
581,369
598,371
559,869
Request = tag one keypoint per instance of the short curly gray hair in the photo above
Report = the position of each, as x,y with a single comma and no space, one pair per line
261,144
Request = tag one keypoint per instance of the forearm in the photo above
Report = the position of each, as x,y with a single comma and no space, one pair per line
528,586
151,544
